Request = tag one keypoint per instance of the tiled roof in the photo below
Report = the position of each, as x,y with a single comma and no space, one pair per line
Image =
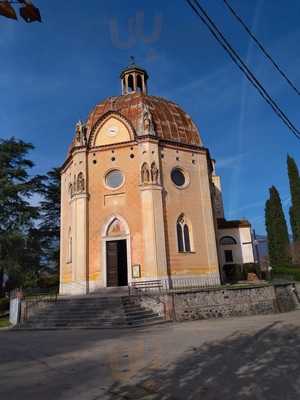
169,120
224,224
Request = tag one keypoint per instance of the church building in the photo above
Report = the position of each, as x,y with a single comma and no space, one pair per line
140,198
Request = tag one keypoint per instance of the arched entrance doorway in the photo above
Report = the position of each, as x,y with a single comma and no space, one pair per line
116,253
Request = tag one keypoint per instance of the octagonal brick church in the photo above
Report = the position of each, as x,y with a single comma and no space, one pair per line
140,199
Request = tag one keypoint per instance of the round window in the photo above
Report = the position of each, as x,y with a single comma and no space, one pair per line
178,177
114,179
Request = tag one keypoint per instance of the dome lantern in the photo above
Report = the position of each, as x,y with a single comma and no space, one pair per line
134,79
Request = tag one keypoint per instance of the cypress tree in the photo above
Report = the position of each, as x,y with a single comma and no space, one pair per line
278,238
294,180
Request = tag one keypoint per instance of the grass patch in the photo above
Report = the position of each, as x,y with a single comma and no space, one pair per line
4,322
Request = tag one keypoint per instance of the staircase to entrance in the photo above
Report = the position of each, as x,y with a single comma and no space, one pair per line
101,310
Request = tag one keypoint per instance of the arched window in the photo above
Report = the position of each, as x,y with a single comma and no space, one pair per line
130,84
179,237
139,84
227,240
228,252
183,235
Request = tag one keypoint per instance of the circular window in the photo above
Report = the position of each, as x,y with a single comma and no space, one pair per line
114,179
178,177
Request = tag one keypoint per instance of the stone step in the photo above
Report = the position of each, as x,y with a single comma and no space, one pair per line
135,309
81,325
70,326
67,320
104,324
66,317
141,317
87,304
147,322
81,316
75,323
83,311
90,309
139,313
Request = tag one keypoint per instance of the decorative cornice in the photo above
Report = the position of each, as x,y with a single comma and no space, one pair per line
150,186
137,140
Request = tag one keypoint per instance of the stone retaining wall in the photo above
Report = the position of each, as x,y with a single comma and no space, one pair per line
31,307
221,302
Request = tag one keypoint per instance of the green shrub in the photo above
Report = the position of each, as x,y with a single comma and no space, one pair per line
287,272
253,268
48,282
4,305
233,273
30,280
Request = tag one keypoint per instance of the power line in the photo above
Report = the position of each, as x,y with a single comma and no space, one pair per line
241,65
201,13
262,48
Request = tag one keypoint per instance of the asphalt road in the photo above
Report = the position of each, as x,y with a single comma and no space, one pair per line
243,358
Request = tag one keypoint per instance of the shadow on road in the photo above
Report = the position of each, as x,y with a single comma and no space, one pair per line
264,366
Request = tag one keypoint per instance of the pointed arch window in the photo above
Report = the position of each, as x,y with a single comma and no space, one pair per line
186,235
183,235
179,237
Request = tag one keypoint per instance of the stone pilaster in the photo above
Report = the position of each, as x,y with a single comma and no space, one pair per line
74,225
155,262
79,204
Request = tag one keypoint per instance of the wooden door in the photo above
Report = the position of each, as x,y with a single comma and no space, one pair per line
122,263
112,263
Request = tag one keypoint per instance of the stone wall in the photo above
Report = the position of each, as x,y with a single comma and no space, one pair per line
221,302
156,303
287,297
225,303
31,307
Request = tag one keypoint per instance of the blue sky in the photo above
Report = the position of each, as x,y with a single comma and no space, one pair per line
53,73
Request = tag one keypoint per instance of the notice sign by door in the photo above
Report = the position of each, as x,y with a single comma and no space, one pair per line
136,271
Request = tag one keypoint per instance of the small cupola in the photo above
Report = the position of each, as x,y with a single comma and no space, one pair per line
134,79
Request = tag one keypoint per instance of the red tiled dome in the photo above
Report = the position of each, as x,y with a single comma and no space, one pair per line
169,120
